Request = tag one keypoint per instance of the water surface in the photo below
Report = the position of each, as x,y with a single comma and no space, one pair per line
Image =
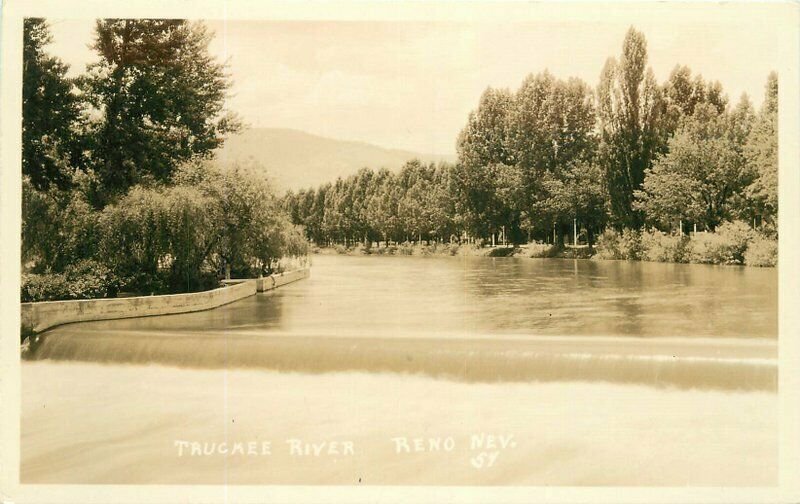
479,297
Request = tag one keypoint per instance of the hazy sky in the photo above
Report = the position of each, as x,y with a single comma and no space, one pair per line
411,84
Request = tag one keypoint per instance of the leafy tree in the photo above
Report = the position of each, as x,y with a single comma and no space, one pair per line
552,123
485,140
483,143
575,192
701,174
382,206
50,112
682,93
552,127
629,109
160,97
136,237
761,151
58,228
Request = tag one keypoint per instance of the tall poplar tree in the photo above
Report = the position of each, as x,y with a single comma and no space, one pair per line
761,152
629,110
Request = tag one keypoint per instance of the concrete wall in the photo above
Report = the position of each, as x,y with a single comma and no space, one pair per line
44,315
271,282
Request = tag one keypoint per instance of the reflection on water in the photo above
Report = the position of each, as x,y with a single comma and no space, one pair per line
474,296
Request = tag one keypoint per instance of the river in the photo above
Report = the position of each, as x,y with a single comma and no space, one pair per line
561,355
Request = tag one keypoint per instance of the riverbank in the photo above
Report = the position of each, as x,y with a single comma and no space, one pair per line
744,249
454,249
563,433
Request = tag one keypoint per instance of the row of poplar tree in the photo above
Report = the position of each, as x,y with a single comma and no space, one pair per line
628,154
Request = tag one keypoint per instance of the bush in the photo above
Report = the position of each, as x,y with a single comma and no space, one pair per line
502,252
762,252
727,246
631,244
90,279
661,247
385,250
613,245
84,280
405,248
608,245
47,287
541,250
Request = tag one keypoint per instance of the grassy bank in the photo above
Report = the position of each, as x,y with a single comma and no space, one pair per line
732,244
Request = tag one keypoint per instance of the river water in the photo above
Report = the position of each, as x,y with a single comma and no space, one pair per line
370,349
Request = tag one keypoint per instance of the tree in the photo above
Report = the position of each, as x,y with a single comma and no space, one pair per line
484,142
761,151
575,192
629,109
701,174
552,123
160,97
58,228
682,94
382,205
50,112
551,128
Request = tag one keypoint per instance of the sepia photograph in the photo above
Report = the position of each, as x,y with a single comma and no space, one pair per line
469,247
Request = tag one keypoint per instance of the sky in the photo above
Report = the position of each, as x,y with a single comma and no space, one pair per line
411,84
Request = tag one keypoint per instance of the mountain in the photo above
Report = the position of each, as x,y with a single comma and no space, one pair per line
295,159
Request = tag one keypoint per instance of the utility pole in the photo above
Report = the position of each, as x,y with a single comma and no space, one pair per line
575,232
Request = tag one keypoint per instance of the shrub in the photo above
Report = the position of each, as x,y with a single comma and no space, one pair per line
58,228
726,246
631,244
90,279
465,249
405,248
385,250
502,252
661,247
762,251
540,250
608,245
613,245
47,287
84,280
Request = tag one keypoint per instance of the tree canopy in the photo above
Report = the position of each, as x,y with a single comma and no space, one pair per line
159,100
50,112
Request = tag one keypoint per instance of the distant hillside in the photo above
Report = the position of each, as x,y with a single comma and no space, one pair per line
295,159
